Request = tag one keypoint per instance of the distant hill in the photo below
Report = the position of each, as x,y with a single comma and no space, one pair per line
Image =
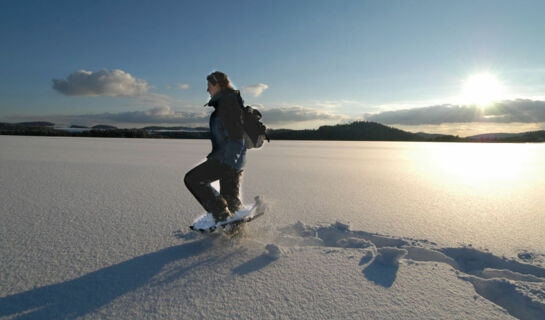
355,131
181,129
439,137
34,124
492,136
78,127
431,135
531,136
38,128
360,130
103,127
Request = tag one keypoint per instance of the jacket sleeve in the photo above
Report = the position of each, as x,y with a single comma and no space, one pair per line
230,113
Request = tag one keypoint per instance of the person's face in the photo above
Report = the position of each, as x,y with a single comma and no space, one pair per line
213,89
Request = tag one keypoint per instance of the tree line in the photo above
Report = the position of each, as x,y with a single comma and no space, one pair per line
355,131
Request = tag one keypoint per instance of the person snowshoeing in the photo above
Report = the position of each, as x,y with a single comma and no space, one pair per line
228,155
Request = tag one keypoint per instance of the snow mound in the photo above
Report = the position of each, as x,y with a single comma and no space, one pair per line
517,287
390,256
472,260
489,273
336,235
354,243
429,255
273,251
522,300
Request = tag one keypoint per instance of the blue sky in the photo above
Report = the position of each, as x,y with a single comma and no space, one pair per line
305,63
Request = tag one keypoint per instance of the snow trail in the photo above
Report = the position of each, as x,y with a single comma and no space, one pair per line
517,287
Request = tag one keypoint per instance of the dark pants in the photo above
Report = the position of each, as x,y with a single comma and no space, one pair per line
198,182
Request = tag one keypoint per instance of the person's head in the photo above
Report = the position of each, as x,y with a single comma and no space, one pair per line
217,81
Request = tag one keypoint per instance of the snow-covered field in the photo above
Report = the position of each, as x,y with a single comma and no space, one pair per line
97,228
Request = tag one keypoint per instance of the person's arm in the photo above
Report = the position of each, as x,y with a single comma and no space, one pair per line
230,112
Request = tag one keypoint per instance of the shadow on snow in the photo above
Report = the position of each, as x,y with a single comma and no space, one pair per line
255,264
77,297
380,274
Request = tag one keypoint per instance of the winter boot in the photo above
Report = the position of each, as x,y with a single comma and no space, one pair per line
219,209
222,215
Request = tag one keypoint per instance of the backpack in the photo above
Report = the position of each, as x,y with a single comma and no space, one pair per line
254,130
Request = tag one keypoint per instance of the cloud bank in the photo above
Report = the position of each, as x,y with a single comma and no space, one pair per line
297,114
165,114
256,90
162,114
509,111
286,117
101,83
183,86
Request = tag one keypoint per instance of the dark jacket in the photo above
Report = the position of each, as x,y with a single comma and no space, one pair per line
226,129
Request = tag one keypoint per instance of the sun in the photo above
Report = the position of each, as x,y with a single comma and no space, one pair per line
481,89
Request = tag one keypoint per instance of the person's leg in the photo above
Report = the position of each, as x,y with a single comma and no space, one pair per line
230,188
230,191
198,182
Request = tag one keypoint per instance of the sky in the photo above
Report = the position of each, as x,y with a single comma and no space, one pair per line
456,67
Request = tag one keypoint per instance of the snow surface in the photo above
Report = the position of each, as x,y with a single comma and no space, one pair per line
98,228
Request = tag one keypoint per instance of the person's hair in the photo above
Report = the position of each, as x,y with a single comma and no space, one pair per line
218,77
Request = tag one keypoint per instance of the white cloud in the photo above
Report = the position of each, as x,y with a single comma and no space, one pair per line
509,111
101,83
183,86
342,103
154,99
256,90
327,104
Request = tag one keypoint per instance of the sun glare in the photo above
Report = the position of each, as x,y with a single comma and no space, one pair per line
481,89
